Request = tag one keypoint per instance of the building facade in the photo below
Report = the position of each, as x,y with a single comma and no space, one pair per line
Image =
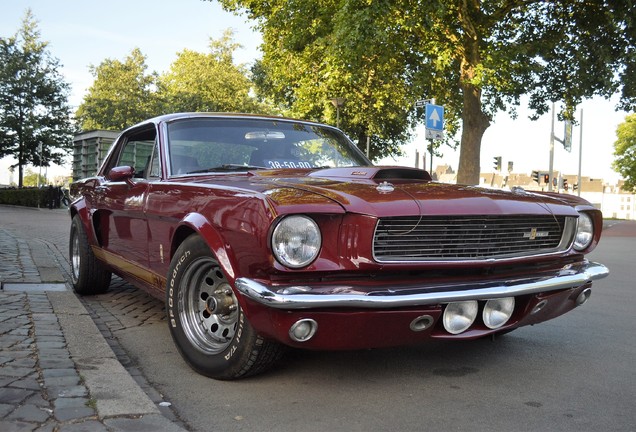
89,150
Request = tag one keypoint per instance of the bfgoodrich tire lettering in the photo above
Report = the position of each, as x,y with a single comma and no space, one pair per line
88,274
206,321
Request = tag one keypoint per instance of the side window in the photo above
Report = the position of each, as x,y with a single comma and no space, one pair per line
137,152
155,167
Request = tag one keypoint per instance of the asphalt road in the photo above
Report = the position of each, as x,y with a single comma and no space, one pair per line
574,373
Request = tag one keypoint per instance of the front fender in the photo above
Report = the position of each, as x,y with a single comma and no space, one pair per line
79,208
195,222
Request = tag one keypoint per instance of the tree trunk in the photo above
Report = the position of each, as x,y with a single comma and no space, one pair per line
474,121
474,124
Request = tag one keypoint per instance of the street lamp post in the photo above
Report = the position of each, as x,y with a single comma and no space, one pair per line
338,102
40,163
551,166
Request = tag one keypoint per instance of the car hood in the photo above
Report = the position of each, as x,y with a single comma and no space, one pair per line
387,191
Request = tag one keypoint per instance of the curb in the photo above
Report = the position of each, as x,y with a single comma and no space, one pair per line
36,277
110,385
113,389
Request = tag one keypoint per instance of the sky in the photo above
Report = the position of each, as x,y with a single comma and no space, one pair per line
82,33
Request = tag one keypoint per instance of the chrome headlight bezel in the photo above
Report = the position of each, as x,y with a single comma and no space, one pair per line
584,232
296,241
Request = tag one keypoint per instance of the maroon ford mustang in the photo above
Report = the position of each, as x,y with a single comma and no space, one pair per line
263,232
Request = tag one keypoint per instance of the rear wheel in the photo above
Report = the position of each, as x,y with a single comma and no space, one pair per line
206,321
88,274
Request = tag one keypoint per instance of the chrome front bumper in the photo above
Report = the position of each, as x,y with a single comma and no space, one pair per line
350,296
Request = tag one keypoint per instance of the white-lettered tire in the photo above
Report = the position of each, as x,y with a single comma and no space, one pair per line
206,321
88,274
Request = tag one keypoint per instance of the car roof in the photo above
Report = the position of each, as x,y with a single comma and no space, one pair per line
166,118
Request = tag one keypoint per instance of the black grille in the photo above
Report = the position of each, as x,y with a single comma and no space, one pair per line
414,238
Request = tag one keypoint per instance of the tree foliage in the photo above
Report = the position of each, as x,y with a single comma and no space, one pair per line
208,81
625,152
315,52
123,93
476,57
32,179
34,110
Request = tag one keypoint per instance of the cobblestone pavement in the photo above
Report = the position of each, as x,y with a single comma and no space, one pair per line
57,371
41,388
124,306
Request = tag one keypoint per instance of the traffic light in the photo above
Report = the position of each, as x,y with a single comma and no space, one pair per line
497,162
575,186
535,176
510,166
565,184
546,178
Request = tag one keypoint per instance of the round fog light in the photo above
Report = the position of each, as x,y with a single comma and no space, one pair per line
459,316
303,330
497,312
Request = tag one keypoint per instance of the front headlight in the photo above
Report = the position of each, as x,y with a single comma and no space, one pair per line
584,232
296,241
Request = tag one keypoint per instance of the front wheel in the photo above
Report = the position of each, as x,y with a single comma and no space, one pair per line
206,321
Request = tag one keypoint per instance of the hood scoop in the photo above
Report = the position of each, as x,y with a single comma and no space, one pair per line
373,173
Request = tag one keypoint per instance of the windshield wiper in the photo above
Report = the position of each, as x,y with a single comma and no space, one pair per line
228,167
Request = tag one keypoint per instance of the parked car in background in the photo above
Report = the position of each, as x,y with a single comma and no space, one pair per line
265,232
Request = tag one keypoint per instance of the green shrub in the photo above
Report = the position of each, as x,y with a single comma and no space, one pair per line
27,197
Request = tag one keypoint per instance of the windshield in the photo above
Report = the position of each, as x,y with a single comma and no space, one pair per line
222,144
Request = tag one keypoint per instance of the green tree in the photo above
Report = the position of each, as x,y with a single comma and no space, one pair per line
313,57
625,152
208,81
122,94
35,118
31,179
476,57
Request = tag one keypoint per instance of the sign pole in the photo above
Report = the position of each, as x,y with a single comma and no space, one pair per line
431,144
578,182
434,122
